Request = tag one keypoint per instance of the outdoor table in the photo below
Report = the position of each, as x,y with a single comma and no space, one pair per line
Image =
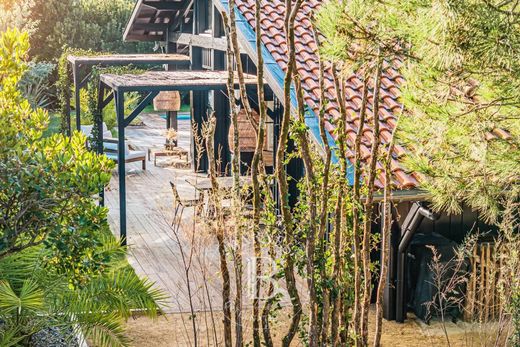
161,152
204,183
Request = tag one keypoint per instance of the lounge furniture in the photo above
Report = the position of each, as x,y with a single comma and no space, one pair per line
111,150
180,203
87,130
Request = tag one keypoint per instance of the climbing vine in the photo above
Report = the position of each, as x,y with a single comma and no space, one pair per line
63,86
92,108
65,89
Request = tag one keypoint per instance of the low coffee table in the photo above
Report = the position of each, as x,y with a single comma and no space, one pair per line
161,152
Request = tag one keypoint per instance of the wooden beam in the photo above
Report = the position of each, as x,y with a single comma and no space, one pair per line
165,5
150,26
201,41
105,102
181,15
146,101
144,37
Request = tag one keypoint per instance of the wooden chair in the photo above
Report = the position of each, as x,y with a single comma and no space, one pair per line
181,203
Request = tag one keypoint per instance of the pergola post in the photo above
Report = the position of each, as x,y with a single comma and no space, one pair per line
77,89
120,112
99,125
83,64
153,82
171,116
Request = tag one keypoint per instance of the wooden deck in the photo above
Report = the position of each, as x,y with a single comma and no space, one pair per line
154,251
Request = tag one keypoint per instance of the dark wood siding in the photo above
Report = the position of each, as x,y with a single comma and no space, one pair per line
454,227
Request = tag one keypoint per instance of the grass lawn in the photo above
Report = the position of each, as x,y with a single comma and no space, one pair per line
54,124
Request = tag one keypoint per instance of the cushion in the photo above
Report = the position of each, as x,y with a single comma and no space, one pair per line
131,155
113,147
86,130
110,146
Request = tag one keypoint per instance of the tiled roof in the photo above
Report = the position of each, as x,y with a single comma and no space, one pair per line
273,37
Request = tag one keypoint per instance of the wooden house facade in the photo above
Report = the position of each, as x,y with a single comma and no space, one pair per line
195,28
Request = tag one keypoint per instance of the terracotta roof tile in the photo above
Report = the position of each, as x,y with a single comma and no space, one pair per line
273,37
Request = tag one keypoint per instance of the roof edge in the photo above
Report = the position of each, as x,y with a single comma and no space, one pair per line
137,6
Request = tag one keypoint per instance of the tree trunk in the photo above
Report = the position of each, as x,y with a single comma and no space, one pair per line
339,85
219,228
255,172
281,175
240,70
239,340
325,192
385,242
336,304
356,204
367,223
311,232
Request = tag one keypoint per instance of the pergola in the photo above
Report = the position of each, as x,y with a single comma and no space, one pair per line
151,83
82,69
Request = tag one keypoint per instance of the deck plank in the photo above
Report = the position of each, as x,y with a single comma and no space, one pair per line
153,249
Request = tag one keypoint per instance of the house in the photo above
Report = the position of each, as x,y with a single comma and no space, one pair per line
195,27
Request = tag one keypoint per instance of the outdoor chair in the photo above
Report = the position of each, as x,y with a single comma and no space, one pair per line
110,147
181,203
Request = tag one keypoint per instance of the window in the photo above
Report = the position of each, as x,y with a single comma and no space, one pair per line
269,145
204,14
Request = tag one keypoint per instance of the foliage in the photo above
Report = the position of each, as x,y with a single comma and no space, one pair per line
63,89
33,296
16,14
34,84
54,126
87,24
109,112
60,266
47,184
461,91
462,86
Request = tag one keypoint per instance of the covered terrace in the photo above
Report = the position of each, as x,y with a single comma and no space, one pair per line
82,65
199,83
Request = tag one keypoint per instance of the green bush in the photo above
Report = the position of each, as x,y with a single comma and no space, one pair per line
97,25
34,84
60,266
